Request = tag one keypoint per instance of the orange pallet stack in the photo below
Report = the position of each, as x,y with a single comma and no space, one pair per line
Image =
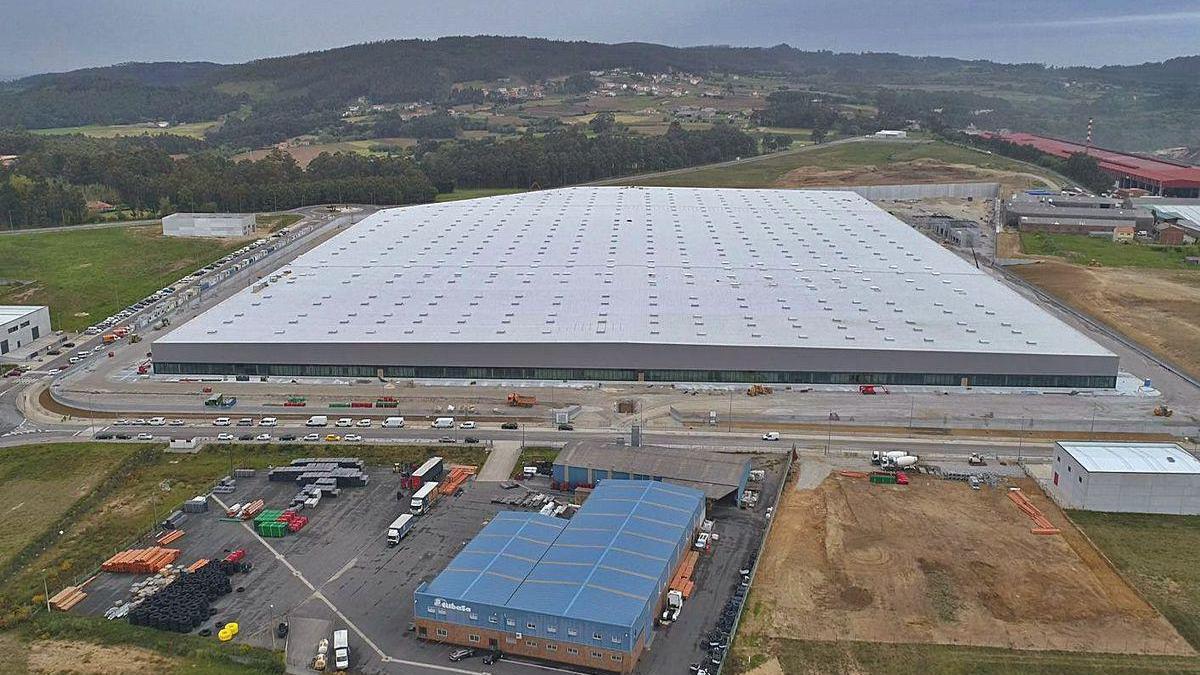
197,565
169,537
253,509
1043,524
141,560
454,480
682,581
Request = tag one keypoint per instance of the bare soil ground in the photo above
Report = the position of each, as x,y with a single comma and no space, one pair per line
905,173
61,656
937,562
1158,308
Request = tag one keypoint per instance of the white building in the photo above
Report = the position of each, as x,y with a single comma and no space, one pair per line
1126,478
208,224
891,133
22,324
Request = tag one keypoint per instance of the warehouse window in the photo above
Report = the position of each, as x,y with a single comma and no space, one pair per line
473,638
597,636
492,619
616,640
573,651
24,324
551,648
431,609
531,643
1081,479
510,622
530,625
551,629
510,640
572,632
616,657
597,655
442,632
13,329
474,616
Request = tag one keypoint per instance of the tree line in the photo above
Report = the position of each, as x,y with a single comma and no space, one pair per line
1079,167
54,176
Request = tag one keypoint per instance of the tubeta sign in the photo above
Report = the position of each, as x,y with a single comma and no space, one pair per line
438,602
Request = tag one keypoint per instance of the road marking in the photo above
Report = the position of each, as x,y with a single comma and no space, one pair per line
345,568
321,596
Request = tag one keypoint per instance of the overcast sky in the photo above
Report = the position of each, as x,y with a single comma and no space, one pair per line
51,35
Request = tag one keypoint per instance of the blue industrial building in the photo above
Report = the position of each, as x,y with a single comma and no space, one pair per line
583,591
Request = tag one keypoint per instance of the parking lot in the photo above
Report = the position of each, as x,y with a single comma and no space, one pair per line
338,568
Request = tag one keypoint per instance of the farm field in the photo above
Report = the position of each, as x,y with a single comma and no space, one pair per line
86,275
934,568
1158,308
304,153
866,162
191,130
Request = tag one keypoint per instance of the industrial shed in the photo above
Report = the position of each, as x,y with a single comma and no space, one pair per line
208,224
715,474
1126,478
638,284
583,591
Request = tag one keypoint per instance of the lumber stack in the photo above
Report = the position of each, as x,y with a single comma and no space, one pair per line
197,565
141,560
67,598
1042,524
169,537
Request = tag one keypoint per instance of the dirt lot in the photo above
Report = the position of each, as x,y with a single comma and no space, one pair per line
904,173
1158,308
937,562
60,656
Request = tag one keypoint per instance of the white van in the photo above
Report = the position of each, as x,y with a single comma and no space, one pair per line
268,422
393,423
317,421
341,649
443,423
771,436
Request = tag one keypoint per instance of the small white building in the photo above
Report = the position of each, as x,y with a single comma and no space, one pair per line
1125,478
208,225
891,133
20,325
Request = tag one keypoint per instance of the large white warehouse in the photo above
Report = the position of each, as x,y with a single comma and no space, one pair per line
639,284
1126,478
208,225
20,325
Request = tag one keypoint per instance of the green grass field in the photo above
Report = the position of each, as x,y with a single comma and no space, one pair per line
765,172
1081,249
276,221
532,454
86,275
870,658
191,130
1157,554
475,193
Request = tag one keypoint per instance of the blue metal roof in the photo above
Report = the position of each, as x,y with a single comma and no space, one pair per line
607,564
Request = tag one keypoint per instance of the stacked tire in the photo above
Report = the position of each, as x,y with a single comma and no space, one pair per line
184,604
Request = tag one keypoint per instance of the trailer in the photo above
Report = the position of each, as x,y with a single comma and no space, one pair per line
424,498
220,401
521,400
399,528
430,471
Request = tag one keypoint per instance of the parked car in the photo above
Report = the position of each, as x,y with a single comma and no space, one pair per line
470,439
310,438
123,437
263,437
446,439
332,438
492,657
363,423
246,437
353,438
287,437
344,422
222,422
509,425
566,427
104,437
771,436
225,437
460,654
466,425
144,436
176,423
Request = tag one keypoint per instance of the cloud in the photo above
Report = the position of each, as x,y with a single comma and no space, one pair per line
1112,20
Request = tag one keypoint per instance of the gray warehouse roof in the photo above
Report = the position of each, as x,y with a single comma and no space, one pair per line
714,474
1132,457
608,265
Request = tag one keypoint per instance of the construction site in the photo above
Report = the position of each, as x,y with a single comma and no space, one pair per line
934,560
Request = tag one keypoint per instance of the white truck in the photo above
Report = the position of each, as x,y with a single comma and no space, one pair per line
341,649
399,528
422,499
393,423
442,423
671,610
317,421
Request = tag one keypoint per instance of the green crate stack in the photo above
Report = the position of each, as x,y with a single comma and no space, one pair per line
884,478
272,529
267,516
340,405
